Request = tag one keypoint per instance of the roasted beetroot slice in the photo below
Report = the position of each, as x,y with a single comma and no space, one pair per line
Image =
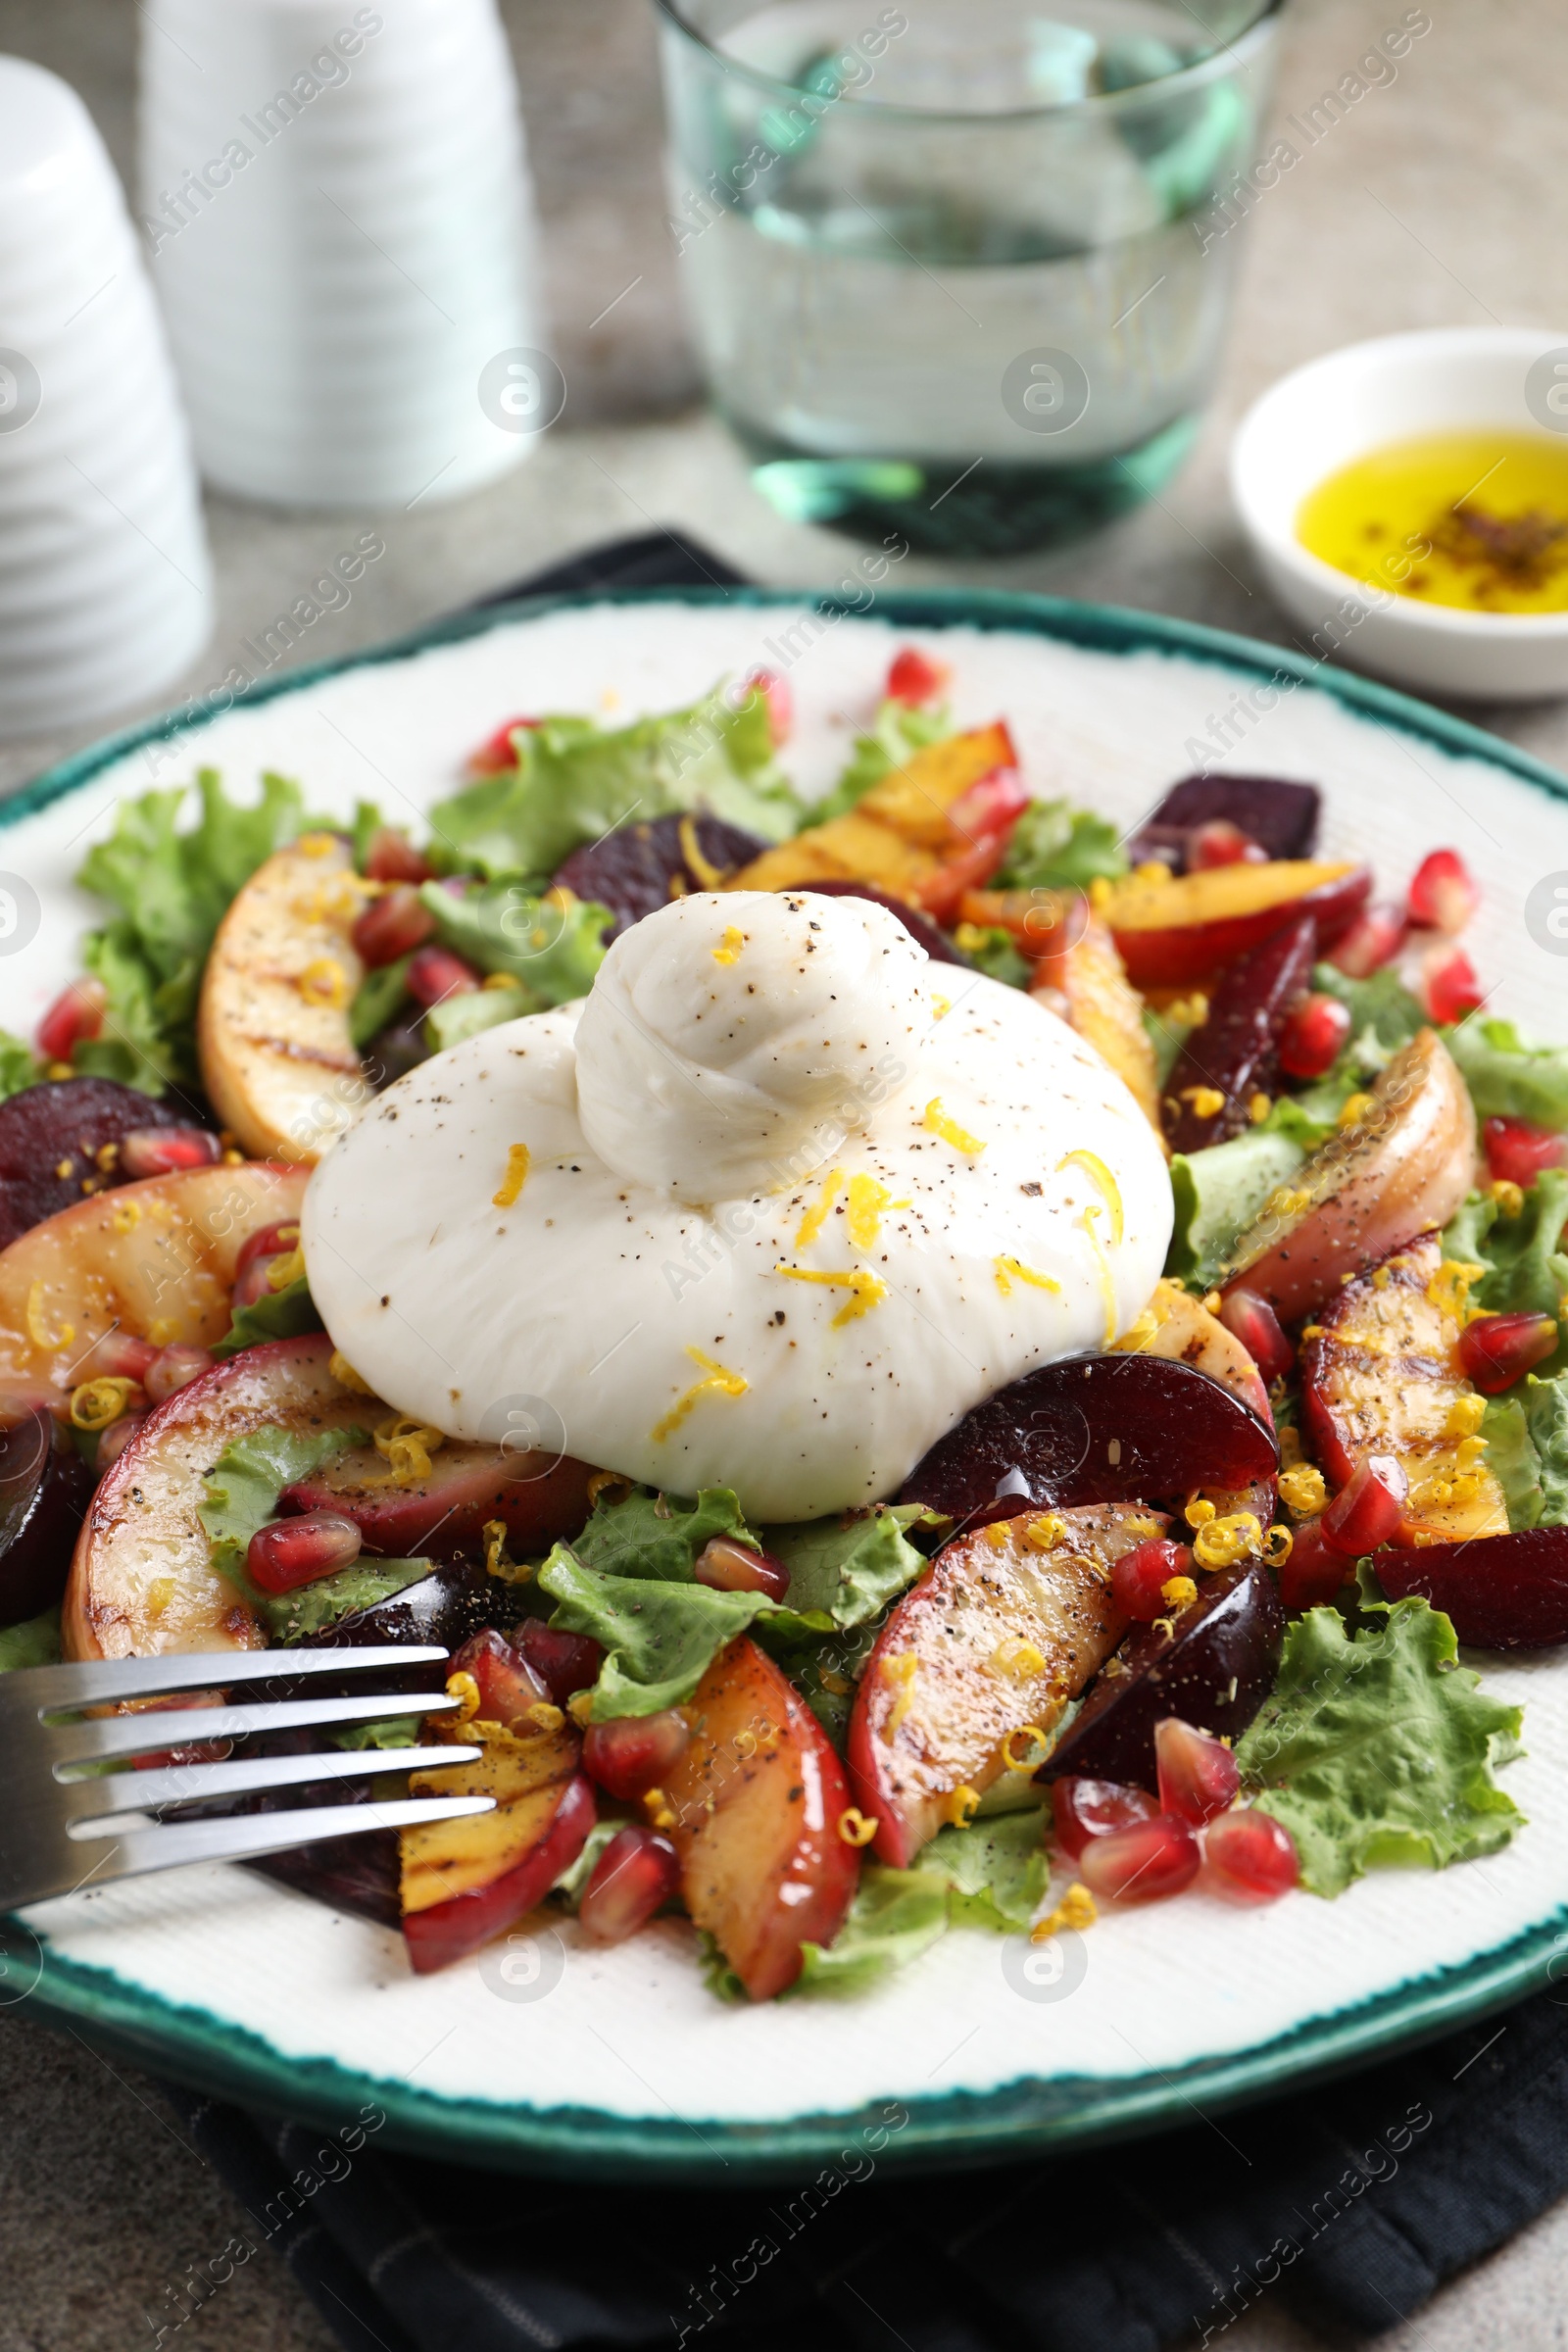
65,1123
1097,1429
640,867
1213,1669
1500,1592
1280,817
921,929
45,1488
1236,1052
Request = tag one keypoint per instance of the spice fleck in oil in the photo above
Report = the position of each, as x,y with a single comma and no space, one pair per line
1478,520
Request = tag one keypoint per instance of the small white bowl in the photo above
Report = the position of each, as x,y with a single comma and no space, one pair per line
1341,407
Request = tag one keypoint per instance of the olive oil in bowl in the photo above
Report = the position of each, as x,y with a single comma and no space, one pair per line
1475,520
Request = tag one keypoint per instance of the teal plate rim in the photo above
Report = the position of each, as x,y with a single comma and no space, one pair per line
957,2128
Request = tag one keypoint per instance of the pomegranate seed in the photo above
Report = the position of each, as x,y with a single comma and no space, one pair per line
1143,1863
1376,935
1220,843
436,974
1138,1580
119,1356
164,1151
731,1567
1197,1775
634,1751
1498,1350
1314,1572
1449,986
1517,1153
1367,1510
174,1368
915,678
508,1683
115,1438
637,1872
1083,1809
76,1016
393,858
300,1551
564,1663
776,692
498,753
1313,1035
256,1282
1442,892
391,926
269,1241
1251,1857
1251,1320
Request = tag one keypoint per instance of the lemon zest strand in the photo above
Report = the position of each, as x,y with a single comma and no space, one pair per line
863,1215
867,1290
709,875
816,1218
729,948
37,1330
937,1122
1104,1184
515,1177
1010,1271
716,1381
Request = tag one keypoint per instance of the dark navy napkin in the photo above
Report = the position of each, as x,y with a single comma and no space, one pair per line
1353,2201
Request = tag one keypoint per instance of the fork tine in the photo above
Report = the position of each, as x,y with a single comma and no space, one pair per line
193,1784
239,1838
148,1734
92,1682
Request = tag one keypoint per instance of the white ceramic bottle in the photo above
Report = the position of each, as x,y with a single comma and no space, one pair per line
336,205
105,586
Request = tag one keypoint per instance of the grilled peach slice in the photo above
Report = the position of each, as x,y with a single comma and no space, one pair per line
537,1498
464,1881
277,1059
1402,1170
1380,1374
156,1260
141,1581
1003,1631
1175,930
1084,981
757,1798
1184,1332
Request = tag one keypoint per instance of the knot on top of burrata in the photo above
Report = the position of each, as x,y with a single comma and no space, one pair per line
732,1041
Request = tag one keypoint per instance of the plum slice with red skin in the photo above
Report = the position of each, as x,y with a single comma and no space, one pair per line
1234,1054
1279,815
1213,1669
1113,1428
1500,1592
68,1120
564,1814
539,1500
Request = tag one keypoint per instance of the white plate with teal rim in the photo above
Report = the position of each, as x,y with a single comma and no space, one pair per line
620,2061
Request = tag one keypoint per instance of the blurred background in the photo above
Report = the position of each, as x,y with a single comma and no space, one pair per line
1437,199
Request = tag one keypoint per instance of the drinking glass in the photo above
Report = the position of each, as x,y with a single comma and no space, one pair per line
959,269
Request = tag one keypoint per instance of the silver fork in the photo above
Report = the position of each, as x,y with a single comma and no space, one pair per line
65,1824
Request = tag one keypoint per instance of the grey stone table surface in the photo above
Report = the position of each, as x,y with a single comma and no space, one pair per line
1439,199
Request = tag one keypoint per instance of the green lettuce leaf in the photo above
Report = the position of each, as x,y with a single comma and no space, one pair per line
33,1642
850,1568
391,1731
286,1314
991,1875
173,890
1509,1077
576,1876
1381,1004
897,732
1056,847
660,1637
575,781
312,1608
19,1067
645,1533
1527,1448
477,1008
241,1494
1527,1266
1218,1195
992,949
1380,1749
378,999
552,951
